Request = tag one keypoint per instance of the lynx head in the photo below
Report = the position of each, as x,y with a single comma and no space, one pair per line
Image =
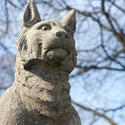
46,41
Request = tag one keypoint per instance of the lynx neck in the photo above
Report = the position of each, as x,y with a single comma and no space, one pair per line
44,90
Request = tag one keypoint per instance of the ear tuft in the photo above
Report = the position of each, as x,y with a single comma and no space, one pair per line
31,15
69,21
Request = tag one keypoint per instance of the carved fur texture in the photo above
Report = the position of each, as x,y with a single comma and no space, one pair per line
46,55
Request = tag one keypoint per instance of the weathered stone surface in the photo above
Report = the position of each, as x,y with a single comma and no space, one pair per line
46,55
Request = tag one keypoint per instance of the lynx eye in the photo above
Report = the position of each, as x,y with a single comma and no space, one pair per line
45,27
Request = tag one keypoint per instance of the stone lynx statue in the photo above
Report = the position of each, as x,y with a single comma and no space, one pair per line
46,55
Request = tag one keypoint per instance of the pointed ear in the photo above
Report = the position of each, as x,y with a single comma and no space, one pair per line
69,21
31,15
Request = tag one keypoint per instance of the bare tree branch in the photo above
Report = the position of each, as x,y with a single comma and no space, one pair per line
14,5
7,18
115,109
95,112
113,59
118,7
120,36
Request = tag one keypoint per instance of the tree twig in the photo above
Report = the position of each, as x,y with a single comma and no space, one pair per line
95,112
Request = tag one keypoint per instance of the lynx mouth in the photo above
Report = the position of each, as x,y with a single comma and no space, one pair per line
56,54
50,56
54,49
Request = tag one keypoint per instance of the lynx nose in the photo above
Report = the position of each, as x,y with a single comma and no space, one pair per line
61,34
